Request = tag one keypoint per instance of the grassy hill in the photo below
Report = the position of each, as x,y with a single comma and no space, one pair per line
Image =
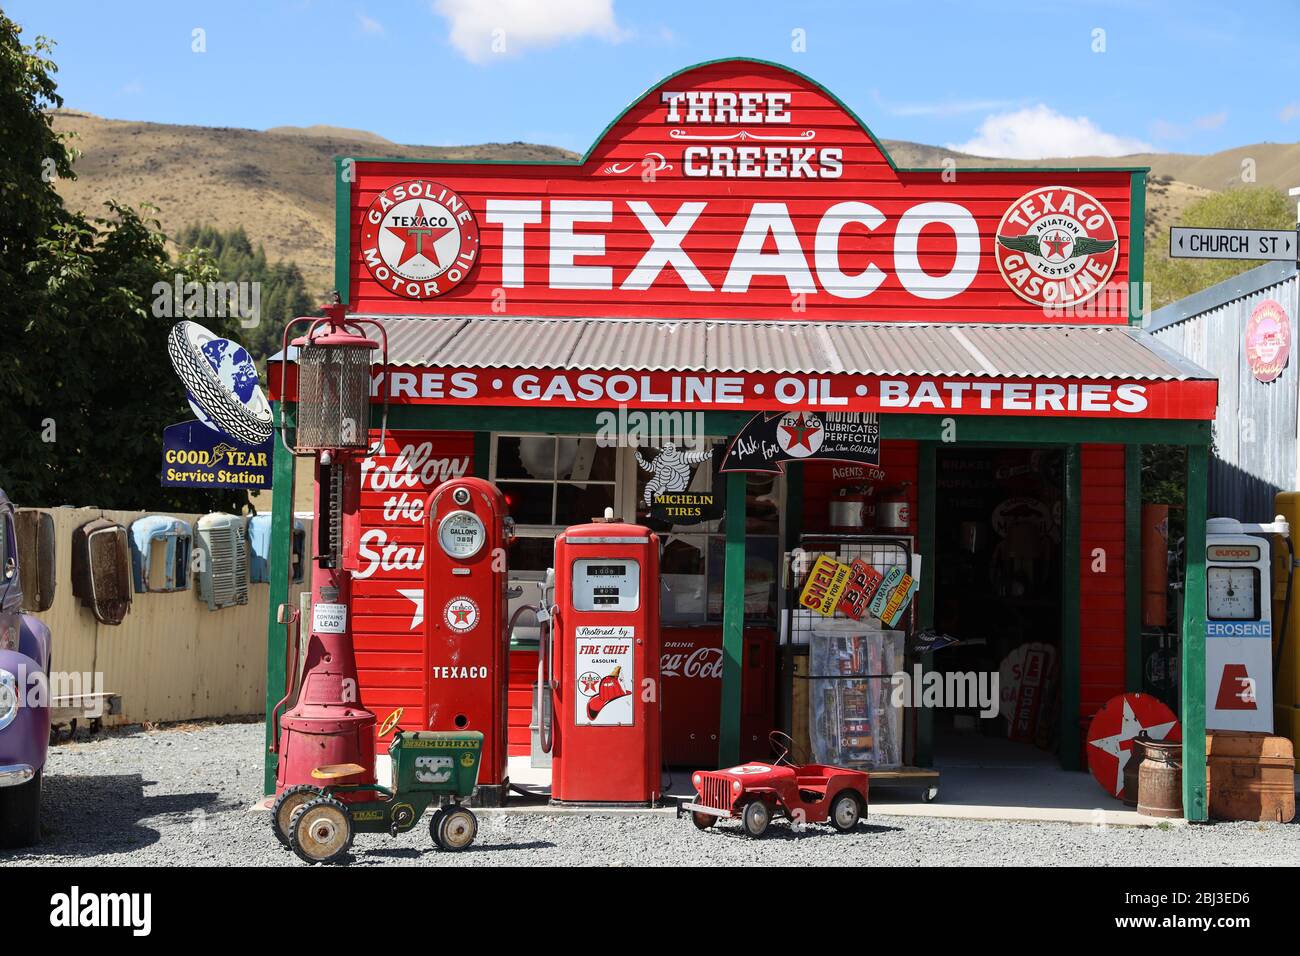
278,184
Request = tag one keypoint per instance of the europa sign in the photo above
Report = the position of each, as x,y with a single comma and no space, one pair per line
734,190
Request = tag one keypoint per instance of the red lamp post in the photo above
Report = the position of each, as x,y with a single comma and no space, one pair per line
328,726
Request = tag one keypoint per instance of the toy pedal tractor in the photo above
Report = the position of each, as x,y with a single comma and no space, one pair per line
318,823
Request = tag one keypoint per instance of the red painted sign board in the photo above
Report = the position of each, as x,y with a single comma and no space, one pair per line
767,391
388,587
738,190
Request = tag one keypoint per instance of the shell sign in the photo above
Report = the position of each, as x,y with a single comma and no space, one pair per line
738,190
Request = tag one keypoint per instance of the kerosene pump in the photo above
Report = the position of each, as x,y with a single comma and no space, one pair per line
328,725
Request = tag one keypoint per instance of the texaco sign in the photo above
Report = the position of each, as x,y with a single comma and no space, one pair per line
739,190
419,239
1057,246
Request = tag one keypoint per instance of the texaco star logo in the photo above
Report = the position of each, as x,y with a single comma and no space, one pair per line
461,614
1056,246
419,239
1113,729
799,434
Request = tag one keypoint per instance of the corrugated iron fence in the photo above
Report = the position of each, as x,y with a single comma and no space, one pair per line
171,658
1255,451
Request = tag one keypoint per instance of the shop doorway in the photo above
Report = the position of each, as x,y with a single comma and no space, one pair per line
998,590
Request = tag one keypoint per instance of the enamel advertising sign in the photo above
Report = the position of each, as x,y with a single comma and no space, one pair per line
767,442
738,190
1268,340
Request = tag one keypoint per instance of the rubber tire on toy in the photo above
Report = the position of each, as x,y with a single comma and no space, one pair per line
457,829
284,806
756,818
321,831
841,816
20,814
703,821
225,410
435,820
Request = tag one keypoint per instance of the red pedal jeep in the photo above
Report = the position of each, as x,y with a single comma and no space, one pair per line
755,793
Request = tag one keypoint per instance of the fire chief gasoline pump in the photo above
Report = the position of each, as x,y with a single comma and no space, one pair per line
602,665
328,724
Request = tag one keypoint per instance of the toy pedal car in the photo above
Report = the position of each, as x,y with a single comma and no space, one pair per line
756,793
318,823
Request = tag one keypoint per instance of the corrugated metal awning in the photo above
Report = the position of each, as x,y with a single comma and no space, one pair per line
651,345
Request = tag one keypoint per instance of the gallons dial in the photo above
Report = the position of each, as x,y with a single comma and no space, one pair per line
1231,593
461,534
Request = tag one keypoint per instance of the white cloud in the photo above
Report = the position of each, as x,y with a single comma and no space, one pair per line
481,29
369,24
1290,112
1165,129
1039,132
940,108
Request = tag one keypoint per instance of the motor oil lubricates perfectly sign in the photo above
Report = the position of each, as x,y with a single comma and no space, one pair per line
767,442
736,190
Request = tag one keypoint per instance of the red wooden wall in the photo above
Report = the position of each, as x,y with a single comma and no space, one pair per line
897,458
388,633
1101,592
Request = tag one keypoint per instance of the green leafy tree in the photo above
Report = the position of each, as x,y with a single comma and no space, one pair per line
282,290
86,386
1246,207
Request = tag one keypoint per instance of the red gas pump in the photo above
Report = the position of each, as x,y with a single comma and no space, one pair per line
466,642
604,659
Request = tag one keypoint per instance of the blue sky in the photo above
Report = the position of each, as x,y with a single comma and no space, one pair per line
999,77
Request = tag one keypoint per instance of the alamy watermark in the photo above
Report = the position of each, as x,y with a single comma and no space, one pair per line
180,299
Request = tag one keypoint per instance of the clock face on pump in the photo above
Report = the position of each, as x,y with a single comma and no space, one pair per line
1231,593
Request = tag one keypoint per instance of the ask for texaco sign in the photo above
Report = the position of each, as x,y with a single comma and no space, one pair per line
737,190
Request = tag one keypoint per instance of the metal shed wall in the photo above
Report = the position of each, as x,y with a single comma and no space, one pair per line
1255,449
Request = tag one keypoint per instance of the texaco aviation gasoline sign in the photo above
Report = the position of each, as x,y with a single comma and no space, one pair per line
419,239
1057,246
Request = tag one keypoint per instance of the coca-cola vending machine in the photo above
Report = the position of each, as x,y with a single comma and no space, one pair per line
691,671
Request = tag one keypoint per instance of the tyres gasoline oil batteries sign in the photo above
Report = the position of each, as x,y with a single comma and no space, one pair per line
606,672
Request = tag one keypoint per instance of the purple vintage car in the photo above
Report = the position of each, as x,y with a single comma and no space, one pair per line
24,698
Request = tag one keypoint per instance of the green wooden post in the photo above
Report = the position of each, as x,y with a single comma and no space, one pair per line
927,477
278,591
1193,716
1138,301
1071,757
733,621
482,454
793,528
1133,568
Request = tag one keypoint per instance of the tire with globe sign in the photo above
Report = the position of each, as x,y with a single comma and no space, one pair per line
222,383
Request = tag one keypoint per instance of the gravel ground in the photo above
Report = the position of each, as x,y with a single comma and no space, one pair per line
181,796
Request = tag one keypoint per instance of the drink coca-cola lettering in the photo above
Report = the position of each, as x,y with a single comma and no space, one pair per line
704,663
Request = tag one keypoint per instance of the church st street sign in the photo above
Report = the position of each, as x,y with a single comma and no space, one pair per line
1186,242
